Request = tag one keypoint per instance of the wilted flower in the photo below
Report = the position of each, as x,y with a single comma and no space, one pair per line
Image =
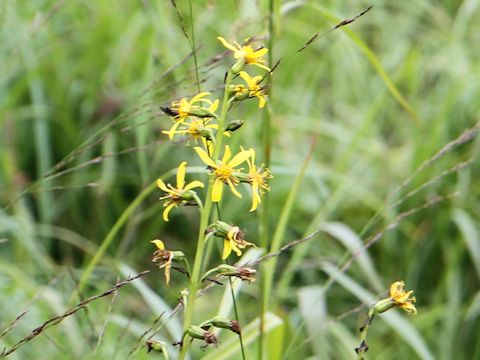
222,323
196,332
165,257
243,273
159,346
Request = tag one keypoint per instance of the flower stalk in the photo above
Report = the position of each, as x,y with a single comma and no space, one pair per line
204,221
398,298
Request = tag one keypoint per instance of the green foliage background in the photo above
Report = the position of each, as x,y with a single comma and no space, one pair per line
81,85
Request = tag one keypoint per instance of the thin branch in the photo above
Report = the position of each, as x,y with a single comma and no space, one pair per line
57,319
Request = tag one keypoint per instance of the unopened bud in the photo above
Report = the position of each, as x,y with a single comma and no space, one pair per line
220,228
225,323
188,195
201,113
234,125
238,66
247,274
196,332
178,256
382,306
159,346
207,133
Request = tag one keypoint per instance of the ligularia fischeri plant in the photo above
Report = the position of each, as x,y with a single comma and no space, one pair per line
197,120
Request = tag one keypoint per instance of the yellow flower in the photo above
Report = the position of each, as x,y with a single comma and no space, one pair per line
246,54
225,170
398,298
234,241
253,89
182,194
163,257
233,238
195,129
184,108
402,299
258,180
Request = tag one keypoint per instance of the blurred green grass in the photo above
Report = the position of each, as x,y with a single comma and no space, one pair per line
84,81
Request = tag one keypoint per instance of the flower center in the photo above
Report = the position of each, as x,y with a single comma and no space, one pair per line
223,172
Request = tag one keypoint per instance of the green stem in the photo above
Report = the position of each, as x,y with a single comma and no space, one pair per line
363,348
204,221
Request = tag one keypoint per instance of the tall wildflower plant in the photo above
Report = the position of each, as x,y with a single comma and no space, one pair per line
203,121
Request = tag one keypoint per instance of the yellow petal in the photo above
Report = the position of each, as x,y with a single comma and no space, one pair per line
245,77
161,185
227,154
260,52
261,101
233,189
241,157
261,66
226,44
214,106
227,249
159,244
255,197
193,185
396,287
199,97
181,175
217,191
171,132
257,80
235,248
204,157
167,211
231,234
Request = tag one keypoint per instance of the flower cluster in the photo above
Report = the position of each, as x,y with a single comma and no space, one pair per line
196,120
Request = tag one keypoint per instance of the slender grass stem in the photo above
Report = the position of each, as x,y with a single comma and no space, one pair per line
193,45
267,149
235,309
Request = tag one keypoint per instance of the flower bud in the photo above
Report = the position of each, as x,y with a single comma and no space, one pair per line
238,66
220,229
234,125
178,256
201,113
224,323
207,133
159,346
196,332
247,274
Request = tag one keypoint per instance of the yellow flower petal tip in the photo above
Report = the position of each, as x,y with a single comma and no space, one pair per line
159,244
